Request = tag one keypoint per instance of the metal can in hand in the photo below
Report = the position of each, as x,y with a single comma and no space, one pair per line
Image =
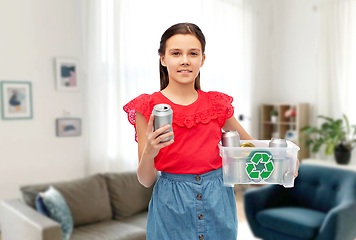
163,116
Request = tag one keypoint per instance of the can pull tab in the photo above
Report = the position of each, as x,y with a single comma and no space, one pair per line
161,108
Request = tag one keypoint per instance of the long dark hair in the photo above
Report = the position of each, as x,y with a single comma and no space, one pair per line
180,28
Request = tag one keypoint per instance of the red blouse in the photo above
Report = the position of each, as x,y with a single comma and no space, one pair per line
197,130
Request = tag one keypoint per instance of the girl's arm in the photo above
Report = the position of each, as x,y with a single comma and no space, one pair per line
232,124
148,148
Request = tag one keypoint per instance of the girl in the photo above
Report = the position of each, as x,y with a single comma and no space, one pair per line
189,200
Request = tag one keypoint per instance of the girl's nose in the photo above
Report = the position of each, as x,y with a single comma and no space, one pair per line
184,60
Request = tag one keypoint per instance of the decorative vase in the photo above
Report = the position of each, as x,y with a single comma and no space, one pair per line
342,157
274,119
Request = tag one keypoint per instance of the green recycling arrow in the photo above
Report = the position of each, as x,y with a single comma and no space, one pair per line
255,158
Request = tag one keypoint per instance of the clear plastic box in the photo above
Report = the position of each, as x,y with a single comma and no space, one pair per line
260,164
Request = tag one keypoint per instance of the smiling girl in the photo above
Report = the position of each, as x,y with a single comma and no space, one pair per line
189,200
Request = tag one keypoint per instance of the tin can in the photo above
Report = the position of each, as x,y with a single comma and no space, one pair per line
236,166
278,142
280,161
163,116
247,144
230,139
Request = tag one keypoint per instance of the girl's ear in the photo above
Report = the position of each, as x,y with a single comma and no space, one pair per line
163,62
202,61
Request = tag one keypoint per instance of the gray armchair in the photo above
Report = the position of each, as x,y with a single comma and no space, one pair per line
321,206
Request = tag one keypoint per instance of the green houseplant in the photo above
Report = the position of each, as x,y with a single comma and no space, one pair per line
274,115
339,139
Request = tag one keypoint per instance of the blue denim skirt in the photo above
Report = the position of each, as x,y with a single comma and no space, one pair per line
188,206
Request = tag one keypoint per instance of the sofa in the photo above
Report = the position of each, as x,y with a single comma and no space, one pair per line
320,206
110,206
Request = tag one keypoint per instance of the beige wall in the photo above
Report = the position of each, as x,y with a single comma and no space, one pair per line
32,34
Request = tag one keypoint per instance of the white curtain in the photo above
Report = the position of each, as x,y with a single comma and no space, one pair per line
337,59
122,41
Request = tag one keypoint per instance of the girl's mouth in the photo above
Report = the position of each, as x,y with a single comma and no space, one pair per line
184,71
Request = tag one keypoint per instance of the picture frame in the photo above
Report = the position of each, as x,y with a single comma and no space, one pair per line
16,100
68,127
67,77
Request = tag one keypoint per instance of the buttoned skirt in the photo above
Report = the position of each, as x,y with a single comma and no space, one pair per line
189,206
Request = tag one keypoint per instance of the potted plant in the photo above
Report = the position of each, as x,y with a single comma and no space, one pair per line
339,139
274,115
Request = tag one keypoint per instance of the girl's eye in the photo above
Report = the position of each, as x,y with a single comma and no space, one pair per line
194,53
176,53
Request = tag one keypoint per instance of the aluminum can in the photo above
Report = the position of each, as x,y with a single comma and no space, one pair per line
163,116
236,164
278,142
247,144
280,161
230,139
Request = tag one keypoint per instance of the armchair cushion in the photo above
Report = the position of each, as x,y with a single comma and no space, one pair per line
300,222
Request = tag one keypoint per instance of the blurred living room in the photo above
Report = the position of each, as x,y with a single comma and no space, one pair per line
69,66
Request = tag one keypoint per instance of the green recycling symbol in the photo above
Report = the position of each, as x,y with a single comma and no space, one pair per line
256,159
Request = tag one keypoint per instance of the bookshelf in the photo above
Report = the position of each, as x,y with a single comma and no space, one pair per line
285,127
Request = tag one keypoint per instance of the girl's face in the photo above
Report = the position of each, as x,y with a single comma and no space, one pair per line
183,58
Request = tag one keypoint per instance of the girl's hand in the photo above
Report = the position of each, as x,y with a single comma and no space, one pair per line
153,142
296,169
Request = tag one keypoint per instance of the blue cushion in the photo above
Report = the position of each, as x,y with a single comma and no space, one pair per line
58,210
299,222
40,206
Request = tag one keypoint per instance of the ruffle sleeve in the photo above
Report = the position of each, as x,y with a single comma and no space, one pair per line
222,106
142,104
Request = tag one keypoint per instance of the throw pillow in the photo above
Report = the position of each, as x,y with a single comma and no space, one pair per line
41,207
58,210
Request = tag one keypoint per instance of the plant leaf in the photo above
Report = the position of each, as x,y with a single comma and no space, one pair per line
329,148
347,124
326,118
315,148
305,128
309,142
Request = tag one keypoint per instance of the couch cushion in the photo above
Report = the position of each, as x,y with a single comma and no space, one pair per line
87,198
299,222
109,230
139,220
127,195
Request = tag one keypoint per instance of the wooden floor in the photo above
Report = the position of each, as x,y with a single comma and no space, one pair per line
239,203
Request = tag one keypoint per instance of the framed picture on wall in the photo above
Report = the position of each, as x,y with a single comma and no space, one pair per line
67,74
68,127
16,100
